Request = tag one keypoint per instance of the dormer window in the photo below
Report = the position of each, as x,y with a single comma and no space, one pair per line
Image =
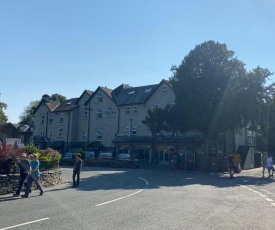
99,97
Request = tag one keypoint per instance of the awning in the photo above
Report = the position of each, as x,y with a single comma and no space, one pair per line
57,144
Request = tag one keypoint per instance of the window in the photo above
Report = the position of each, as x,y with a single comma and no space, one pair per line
61,118
60,132
132,92
84,135
50,118
134,110
98,134
50,134
99,113
126,131
99,97
127,110
85,115
147,90
164,89
134,131
155,106
172,104
42,133
42,119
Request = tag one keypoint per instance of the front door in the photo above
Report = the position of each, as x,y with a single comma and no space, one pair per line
190,159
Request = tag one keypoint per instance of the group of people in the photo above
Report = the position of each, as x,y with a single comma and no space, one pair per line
268,164
29,172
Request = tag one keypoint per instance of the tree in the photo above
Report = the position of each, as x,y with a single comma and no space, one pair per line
3,117
26,116
212,89
162,119
57,97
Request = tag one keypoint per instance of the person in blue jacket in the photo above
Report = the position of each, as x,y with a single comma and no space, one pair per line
33,176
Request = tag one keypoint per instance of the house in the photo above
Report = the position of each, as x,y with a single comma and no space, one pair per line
10,132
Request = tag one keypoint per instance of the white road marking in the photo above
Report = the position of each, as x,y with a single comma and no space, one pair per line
118,198
18,225
270,200
188,178
144,180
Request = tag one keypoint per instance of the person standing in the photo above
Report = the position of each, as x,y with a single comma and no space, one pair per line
231,165
77,169
264,162
24,167
269,164
33,176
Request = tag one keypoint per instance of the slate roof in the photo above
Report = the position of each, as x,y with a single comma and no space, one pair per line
135,95
66,105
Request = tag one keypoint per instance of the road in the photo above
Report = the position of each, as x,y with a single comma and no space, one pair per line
146,199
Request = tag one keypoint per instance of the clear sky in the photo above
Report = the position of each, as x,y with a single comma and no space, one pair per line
65,46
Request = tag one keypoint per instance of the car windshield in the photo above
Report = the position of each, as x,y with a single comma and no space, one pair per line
124,156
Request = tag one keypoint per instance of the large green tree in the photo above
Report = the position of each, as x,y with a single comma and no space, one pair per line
214,93
3,117
207,85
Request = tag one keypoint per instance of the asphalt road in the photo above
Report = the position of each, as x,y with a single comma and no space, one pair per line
146,199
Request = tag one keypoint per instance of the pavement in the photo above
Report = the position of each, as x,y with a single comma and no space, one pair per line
255,172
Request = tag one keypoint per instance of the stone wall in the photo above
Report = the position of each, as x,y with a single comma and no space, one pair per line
9,183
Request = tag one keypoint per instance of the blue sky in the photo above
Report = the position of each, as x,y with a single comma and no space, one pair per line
65,47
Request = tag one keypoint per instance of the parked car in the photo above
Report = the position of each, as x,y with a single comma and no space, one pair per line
105,155
68,156
126,157
89,155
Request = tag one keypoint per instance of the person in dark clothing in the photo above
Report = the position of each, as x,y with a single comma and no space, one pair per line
24,166
77,169
231,165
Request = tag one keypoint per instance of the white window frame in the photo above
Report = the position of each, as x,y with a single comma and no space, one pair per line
128,110
50,134
99,97
59,132
98,134
134,131
42,133
155,106
99,113
164,89
126,131
135,110
42,119
50,118
84,135
61,117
